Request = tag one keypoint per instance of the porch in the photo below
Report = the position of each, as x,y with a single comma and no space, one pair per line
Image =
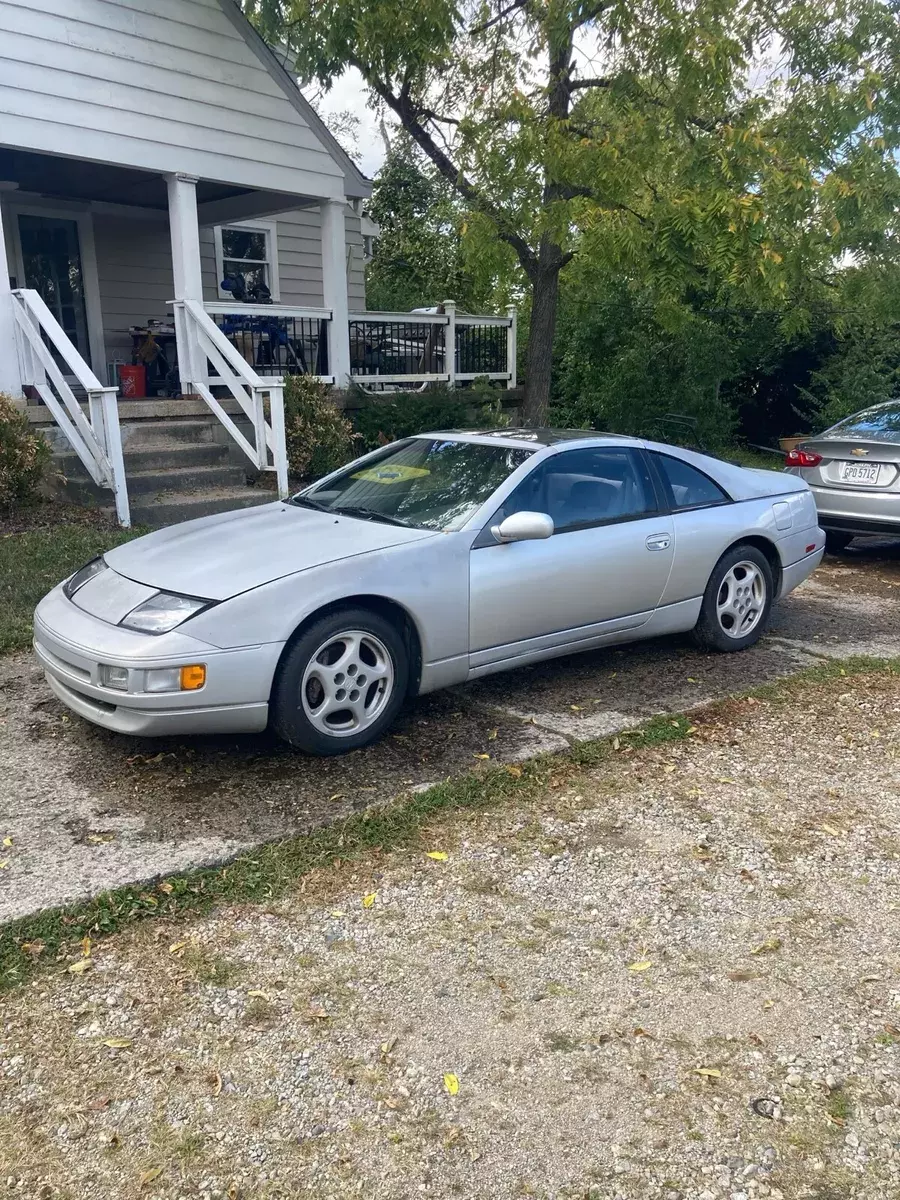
104,267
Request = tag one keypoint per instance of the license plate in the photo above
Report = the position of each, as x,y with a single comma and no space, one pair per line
859,472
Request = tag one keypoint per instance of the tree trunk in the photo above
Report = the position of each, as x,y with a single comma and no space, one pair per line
541,330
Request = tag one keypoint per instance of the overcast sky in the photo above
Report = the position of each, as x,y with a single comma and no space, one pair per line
349,94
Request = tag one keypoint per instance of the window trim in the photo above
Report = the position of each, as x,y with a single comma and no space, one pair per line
669,495
270,229
486,538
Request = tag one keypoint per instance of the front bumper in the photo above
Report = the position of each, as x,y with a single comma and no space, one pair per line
71,644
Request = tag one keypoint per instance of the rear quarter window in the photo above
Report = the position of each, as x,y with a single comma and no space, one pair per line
688,487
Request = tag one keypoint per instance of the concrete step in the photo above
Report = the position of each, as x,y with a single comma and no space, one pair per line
173,507
184,479
176,431
157,456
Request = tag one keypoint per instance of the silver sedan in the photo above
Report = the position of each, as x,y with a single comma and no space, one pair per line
430,562
853,469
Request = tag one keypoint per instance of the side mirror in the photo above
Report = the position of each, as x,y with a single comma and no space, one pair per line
524,527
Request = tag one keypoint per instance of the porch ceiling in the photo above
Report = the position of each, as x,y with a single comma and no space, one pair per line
76,179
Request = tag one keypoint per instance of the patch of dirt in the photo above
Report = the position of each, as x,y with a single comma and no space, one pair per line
674,977
49,514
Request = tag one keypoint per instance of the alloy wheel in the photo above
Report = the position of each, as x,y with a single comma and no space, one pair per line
347,683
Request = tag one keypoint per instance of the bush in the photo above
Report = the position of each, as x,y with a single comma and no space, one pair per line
319,437
24,456
381,421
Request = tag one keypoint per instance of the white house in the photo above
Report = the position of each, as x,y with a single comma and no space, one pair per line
150,150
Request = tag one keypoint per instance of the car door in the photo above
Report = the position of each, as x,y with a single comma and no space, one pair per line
603,570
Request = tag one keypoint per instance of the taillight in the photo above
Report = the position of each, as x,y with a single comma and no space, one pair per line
802,458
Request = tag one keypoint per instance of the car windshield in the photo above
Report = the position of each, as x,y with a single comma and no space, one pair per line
879,424
427,483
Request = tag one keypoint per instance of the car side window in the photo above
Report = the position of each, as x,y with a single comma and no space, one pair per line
688,487
580,488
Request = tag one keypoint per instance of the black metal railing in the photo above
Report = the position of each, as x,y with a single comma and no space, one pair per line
278,345
481,349
385,347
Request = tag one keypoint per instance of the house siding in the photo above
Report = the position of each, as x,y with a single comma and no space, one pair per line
134,267
172,89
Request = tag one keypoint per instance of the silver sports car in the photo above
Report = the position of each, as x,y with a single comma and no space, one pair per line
424,564
853,469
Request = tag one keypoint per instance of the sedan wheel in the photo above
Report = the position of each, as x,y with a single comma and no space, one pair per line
737,601
341,683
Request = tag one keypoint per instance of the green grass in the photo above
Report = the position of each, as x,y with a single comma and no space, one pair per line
31,563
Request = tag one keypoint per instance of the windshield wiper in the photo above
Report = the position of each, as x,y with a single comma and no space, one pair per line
304,502
367,514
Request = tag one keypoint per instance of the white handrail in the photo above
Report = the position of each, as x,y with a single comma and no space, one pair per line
237,309
389,318
96,439
202,342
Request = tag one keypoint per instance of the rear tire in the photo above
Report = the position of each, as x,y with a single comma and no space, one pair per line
737,601
341,684
837,543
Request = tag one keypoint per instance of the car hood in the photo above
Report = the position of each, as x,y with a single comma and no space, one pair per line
224,555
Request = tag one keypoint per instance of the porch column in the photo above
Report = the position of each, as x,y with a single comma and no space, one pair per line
334,288
184,230
10,378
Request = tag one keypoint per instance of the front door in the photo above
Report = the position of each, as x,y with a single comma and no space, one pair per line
51,263
604,569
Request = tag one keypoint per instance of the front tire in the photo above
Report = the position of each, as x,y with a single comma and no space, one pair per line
341,684
737,601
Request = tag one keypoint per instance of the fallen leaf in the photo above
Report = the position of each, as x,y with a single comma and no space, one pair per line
481,756
669,768
514,771
166,888
79,968
724,779
492,736
708,1072
616,743
387,1047
99,1104
746,875
318,1013
437,855
767,1004
7,841
643,964
99,839
86,947
177,947
830,829
369,900
451,1083
755,1039
769,946
575,707
641,1032
4,863
259,995
839,1121
690,680
117,1043
214,1079
152,1173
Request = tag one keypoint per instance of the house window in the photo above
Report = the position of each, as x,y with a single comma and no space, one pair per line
248,251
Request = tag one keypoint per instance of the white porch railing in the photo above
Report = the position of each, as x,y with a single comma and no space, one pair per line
277,339
95,438
208,359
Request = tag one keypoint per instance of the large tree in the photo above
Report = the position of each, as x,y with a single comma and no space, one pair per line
671,141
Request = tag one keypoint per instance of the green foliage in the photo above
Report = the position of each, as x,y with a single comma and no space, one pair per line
378,422
419,260
741,144
319,437
24,456
624,370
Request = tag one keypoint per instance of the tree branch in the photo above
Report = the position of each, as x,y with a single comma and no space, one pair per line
589,83
504,12
409,117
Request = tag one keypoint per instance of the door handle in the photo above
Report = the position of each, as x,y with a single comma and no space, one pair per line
658,541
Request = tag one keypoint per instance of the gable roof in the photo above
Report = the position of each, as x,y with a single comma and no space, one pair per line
356,184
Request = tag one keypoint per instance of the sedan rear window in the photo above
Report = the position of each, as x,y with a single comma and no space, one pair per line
878,424
427,483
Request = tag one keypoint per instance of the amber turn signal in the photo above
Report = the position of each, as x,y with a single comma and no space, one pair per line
193,677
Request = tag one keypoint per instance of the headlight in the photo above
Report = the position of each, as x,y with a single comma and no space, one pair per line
81,576
163,612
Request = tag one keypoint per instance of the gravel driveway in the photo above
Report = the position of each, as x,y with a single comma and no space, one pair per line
88,810
672,978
